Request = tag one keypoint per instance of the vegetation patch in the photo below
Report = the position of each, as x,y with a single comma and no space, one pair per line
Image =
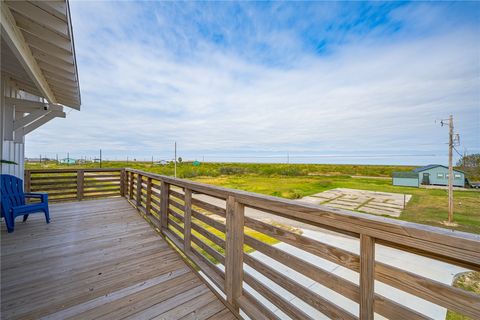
294,181
469,281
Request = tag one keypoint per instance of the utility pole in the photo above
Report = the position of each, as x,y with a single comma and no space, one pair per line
175,173
288,157
100,158
68,158
450,168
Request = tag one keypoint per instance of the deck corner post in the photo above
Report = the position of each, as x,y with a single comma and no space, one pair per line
80,183
234,251
187,220
28,180
139,190
164,196
148,202
130,186
367,277
123,180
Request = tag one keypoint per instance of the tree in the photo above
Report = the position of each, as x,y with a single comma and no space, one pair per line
180,159
471,165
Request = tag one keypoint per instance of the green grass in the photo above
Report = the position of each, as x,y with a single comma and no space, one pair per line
427,206
469,281
187,170
294,181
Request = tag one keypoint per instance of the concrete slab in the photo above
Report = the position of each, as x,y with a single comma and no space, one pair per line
379,203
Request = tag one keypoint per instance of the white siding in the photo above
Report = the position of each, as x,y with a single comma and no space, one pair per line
13,151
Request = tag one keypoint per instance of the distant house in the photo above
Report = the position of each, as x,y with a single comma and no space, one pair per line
68,161
162,162
434,174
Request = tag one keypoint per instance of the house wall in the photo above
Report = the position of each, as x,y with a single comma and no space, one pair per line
12,145
15,152
405,182
439,176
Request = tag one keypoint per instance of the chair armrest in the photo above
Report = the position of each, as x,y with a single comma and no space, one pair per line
34,195
42,196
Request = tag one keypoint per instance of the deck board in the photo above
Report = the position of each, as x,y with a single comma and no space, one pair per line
98,259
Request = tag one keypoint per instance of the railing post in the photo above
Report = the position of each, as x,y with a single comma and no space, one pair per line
367,277
28,181
164,195
130,188
187,220
80,181
234,251
148,204
123,179
139,190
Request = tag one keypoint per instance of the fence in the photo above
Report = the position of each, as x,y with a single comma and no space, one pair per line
209,226
75,184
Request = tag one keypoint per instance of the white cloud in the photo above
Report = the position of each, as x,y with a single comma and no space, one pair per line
138,97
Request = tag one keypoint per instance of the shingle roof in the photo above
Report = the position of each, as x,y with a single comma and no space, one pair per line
430,166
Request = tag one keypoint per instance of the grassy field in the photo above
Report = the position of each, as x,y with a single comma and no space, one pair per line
294,181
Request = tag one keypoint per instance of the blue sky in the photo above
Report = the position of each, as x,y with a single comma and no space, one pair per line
322,81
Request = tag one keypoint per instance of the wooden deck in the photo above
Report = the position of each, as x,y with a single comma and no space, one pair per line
98,260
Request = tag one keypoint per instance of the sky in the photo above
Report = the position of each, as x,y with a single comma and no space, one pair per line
321,82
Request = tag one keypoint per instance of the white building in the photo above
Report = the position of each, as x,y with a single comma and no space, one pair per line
39,77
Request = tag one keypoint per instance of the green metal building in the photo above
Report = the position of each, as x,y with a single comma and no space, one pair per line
434,174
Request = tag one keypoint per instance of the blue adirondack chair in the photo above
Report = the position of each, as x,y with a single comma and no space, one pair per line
13,201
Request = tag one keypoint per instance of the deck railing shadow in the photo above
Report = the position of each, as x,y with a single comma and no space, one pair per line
215,237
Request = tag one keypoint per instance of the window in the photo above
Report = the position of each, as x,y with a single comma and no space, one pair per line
457,176
440,175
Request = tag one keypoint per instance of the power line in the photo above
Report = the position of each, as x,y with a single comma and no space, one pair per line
457,151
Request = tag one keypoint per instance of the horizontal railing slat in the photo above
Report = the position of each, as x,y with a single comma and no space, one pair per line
211,222
323,305
283,304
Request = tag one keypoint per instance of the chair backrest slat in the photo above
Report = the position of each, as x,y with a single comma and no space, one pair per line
11,187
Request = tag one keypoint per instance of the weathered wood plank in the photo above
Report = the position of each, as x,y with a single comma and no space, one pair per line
96,259
367,277
284,305
234,251
165,189
318,302
187,219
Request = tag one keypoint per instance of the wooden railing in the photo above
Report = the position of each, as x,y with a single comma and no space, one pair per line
75,184
214,228
213,236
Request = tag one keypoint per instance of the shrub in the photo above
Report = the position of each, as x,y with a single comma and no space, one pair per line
231,170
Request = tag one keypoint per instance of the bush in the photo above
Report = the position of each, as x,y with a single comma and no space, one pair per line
231,170
290,171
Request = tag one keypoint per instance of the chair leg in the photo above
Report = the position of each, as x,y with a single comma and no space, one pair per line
25,217
47,215
10,222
